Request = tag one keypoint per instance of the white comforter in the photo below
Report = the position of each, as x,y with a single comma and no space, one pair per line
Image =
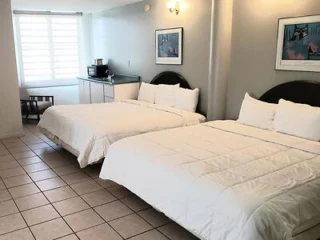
223,180
90,129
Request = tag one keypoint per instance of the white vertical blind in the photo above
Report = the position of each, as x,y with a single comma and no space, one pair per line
48,48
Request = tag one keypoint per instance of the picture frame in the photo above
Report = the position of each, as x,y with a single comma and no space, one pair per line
169,46
298,45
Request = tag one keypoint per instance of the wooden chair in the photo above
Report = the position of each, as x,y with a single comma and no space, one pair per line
36,105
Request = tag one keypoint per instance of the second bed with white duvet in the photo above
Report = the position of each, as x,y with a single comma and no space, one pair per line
223,180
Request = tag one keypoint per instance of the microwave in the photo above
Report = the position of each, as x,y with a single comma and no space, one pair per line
98,71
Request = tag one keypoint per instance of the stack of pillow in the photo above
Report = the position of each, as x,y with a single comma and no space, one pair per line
170,96
300,120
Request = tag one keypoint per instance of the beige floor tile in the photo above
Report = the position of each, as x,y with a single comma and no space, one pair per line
29,161
32,201
40,214
54,160
6,158
43,175
75,178
155,218
106,183
12,172
98,198
9,165
19,149
50,184
83,220
23,234
67,169
7,208
4,195
99,233
130,225
174,232
17,181
36,167
120,192
67,155
60,194
51,230
31,141
113,210
151,235
86,187
14,144
70,206
22,155
4,153
23,190
69,237
135,203
2,186
43,151
38,146
11,140
93,171
11,223
54,163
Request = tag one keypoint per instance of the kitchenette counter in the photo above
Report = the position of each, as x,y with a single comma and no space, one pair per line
103,90
116,80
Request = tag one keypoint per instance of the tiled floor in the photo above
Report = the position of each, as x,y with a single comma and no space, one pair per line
45,195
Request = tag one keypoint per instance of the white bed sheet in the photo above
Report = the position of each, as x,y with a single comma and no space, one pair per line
90,129
223,180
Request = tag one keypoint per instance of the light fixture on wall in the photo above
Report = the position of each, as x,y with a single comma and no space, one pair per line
174,6
147,7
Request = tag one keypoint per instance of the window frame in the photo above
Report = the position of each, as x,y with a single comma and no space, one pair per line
19,55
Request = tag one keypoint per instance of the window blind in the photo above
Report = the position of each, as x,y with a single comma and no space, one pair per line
48,48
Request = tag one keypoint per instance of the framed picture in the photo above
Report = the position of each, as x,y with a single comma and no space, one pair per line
169,46
299,44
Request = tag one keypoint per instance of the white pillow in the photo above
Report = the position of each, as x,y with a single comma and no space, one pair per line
300,120
187,99
166,94
257,113
147,92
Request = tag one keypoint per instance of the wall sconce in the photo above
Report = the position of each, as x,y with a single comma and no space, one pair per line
174,6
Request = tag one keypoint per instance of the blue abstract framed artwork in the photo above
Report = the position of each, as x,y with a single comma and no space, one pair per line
299,44
169,46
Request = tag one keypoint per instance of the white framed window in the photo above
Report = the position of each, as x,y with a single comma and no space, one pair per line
48,49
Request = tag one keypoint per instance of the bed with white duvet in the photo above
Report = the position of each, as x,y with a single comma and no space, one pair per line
249,179
223,180
88,130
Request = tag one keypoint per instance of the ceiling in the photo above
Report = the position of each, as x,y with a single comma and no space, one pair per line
86,6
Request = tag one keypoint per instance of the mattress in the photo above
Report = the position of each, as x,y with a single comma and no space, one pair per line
223,180
88,130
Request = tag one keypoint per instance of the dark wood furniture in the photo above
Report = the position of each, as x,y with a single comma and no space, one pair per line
304,92
36,105
170,78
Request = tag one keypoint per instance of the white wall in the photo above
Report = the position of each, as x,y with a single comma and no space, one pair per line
10,114
64,95
128,34
254,47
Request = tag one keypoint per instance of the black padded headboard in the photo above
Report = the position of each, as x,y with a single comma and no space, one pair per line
170,78
305,92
